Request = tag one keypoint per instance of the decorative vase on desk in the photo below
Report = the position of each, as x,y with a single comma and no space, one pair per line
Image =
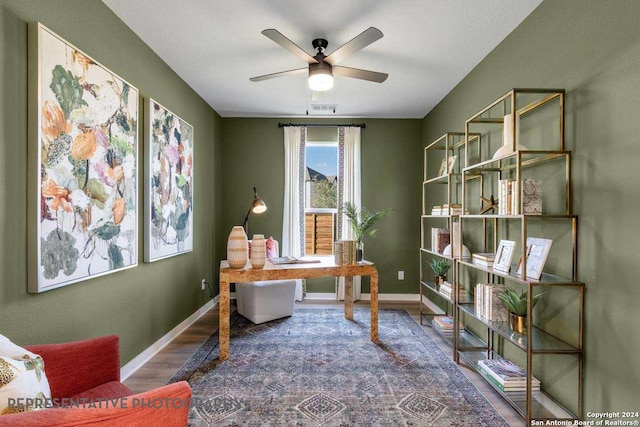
237,248
258,251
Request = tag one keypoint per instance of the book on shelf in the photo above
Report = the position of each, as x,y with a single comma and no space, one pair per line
440,239
446,287
446,290
444,324
486,256
506,373
506,388
291,260
484,259
487,304
507,189
447,209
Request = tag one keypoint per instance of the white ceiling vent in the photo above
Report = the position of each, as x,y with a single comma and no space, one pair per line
323,109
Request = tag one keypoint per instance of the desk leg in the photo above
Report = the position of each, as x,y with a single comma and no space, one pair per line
374,306
348,297
225,312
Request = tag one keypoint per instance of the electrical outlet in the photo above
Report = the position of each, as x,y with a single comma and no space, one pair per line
204,284
400,275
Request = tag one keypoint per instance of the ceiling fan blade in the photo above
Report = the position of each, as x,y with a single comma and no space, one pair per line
277,37
357,73
357,43
280,74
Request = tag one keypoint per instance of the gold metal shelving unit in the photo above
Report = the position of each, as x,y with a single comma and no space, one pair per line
483,136
450,192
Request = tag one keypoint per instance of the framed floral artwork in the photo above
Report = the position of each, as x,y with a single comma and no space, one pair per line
83,157
168,184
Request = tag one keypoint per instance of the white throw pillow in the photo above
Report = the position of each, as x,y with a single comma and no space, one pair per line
22,377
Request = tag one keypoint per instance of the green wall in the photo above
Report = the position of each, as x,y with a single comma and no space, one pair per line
591,49
141,304
253,153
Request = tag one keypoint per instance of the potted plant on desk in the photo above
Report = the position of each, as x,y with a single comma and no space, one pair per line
362,222
516,303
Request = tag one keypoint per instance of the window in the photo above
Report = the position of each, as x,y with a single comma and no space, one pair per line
321,197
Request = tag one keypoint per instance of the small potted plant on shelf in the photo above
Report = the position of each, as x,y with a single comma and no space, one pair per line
440,268
516,303
362,222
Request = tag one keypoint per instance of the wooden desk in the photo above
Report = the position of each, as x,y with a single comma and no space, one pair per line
326,267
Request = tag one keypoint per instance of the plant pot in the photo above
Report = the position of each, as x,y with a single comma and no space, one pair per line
518,323
439,280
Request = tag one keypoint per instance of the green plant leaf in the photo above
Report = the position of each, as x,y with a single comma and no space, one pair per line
439,266
362,222
67,90
516,302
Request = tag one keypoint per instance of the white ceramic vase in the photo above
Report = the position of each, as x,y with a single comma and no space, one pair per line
237,248
258,251
507,137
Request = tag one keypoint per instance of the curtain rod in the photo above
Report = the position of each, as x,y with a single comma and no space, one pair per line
357,125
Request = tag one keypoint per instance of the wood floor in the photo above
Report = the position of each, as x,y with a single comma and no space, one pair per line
167,362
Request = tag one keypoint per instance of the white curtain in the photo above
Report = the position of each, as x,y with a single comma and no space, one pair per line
350,182
292,237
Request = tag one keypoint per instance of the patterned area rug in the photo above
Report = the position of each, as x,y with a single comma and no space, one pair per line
317,368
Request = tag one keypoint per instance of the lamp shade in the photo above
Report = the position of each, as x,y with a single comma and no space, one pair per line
320,82
258,206
320,77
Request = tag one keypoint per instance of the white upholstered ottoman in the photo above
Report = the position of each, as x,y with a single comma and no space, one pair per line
266,300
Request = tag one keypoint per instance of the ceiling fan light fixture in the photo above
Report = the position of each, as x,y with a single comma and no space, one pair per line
320,77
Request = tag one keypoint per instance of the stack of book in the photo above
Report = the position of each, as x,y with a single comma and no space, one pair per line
487,304
446,290
507,189
447,209
444,325
484,259
506,375
440,238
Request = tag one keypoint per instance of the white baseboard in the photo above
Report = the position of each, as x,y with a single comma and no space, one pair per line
320,296
393,297
364,297
137,362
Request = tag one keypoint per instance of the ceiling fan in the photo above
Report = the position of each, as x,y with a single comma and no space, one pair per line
322,68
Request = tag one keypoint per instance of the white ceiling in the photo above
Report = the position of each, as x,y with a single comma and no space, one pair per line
217,45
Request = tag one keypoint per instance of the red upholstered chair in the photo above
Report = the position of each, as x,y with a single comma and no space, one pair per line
90,369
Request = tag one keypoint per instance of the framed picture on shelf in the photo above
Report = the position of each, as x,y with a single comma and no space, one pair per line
504,255
537,252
